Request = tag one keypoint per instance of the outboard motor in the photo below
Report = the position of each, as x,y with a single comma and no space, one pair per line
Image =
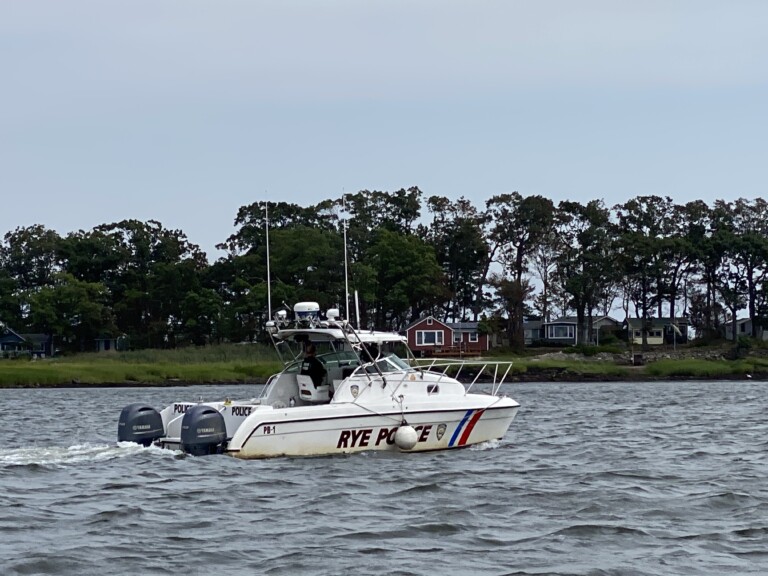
141,424
203,431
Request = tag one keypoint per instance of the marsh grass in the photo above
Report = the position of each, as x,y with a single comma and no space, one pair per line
213,364
578,367
189,355
694,368
56,374
233,363
532,365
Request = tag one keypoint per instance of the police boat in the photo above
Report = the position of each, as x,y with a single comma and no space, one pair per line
367,391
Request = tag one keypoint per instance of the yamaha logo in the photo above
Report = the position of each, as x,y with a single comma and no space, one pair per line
440,430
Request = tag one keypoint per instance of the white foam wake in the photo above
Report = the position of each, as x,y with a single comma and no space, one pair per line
489,445
63,455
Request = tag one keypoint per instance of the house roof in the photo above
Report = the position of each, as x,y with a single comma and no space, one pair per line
454,326
562,320
656,322
423,319
10,339
7,334
574,320
36,337
464,326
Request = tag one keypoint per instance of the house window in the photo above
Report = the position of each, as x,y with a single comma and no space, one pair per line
456,337
638,333
473,337
429,338
561,331
429,321
654,333
743,327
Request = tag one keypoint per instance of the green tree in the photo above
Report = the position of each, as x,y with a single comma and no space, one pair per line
407,281
73,311
641,231
201,317
252,220
10,301
457,235
518,226
707,255
97,255
395,211
509,295
30,256
312,261
587,262
750,250
544,266
153,268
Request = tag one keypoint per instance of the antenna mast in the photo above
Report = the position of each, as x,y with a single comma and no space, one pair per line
269,282
346,263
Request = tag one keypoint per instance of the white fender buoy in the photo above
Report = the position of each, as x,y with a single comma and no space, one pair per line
406,437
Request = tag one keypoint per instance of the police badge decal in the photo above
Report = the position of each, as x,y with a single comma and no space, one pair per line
440,431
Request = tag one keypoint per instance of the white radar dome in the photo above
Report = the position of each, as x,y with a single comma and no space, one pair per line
306,310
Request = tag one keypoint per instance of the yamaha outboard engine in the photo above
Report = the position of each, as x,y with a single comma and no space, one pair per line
141,424
203,431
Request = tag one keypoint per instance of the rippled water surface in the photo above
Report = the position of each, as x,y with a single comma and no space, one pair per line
658,478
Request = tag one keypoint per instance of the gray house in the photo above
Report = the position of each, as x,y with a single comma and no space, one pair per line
744,328
11,343
658,330
532,331
563,330
14,344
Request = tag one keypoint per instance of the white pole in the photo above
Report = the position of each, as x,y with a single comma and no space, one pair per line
357,309
269,282
346,264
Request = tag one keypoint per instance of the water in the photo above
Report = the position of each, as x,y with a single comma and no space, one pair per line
658,478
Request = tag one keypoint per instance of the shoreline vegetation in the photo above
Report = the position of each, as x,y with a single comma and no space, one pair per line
254,363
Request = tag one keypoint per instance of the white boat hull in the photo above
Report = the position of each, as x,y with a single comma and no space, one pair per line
344,429
366,399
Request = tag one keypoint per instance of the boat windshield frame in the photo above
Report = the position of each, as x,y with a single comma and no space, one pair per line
360,343
391,363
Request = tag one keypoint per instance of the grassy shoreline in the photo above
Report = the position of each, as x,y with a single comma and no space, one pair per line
253,364
210,365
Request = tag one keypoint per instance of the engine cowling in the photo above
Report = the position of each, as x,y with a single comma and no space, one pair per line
203,431
140,423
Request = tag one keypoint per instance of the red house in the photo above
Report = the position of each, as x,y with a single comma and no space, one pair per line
431,337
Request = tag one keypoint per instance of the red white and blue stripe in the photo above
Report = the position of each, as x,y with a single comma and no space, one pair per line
465,427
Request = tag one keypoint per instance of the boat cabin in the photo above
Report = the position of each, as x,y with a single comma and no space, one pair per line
340,360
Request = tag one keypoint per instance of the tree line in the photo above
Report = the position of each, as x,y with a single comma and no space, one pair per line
515,258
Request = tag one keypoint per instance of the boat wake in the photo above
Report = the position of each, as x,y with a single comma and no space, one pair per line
76,454
489,445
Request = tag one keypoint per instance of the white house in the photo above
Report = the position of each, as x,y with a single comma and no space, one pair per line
744,328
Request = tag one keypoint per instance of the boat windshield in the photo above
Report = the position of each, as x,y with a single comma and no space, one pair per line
391,363
331,359
333,356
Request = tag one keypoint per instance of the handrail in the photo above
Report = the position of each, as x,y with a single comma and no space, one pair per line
496,382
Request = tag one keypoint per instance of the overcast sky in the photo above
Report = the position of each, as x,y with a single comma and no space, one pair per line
184,110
